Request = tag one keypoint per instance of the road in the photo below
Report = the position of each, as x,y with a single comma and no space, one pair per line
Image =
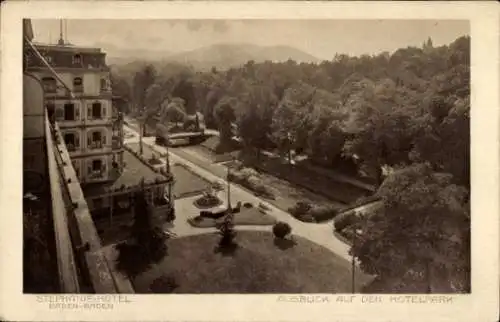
319,233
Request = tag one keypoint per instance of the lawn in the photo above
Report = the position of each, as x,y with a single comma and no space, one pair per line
288,193
251,216
258,265
187,183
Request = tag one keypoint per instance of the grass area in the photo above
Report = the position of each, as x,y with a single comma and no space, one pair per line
341,192
147,152
287,194
215,145
258,265
186,182
251,216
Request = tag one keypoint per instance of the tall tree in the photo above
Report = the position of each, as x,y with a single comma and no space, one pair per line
225,116
422,233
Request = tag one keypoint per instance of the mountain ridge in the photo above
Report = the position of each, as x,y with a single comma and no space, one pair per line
221,56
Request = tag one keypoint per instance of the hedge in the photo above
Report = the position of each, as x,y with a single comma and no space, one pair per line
345,220
323,213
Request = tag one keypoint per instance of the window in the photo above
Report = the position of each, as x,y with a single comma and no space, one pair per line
96,136
78,84
96,140
77,59
96,165
70,140
49,85
104,84
96,110
69,112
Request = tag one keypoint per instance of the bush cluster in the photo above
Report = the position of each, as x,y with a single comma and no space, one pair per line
305,211
249,179
345,220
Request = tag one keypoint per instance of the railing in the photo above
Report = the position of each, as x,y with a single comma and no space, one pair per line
68,275
116,143
97,174
94,273
95,117
96,145
71,147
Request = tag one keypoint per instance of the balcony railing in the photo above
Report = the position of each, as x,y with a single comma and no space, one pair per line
95,117
96,145
68,273
71,147
116,143
97,174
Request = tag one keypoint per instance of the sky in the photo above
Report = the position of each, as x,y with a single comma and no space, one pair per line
321,38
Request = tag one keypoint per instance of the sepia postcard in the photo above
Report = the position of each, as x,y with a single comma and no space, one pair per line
236,161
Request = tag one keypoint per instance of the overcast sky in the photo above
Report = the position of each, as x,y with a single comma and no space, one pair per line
321,38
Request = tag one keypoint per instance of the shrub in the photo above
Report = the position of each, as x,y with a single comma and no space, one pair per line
300,208
306,218
345,220
281,229
247,205
323,213
227,233
216,185
263,206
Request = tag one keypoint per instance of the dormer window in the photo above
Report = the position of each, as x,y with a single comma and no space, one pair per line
77,59
78,84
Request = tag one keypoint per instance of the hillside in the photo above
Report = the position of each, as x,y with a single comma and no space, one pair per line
222,56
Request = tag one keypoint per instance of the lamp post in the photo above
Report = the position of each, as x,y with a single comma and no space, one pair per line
289,143
229,189
353,269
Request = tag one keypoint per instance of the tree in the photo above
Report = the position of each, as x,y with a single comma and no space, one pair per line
147,243
185,90
143,79
228,234
174,111
444,142
225,116
422,231
254,123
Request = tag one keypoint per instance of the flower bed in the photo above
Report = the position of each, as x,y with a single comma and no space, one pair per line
246,216
249,179
207,201
306,212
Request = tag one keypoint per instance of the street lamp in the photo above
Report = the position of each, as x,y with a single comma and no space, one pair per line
353,262
289,138
228,189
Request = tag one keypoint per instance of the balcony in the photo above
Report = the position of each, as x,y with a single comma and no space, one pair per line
96,145
71,147
97,174
116,143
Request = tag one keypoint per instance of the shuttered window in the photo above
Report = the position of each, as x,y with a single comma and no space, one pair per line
77,111
89,111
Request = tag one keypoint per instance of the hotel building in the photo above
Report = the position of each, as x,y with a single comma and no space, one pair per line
76,168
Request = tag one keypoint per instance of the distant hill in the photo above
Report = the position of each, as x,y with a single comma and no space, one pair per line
222,56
